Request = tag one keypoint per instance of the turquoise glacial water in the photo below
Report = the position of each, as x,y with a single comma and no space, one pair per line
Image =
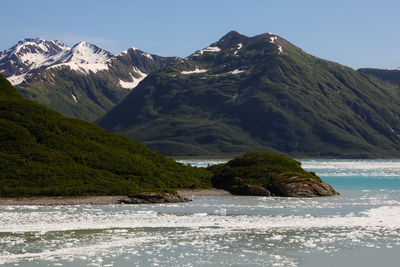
361,227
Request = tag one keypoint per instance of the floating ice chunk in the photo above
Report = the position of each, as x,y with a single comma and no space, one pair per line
147,212
221,212
200,214
276,237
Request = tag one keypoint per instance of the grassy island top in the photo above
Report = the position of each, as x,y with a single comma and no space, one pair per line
263,169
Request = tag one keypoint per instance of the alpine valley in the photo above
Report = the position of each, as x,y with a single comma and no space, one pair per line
83,82
237,95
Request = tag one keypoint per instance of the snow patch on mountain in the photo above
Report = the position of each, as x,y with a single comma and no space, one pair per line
272,40
74,98
16,79
85,57
134,81
147,55
236,71
211,49
197,70
238,47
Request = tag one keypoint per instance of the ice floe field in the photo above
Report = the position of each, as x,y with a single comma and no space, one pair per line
359,226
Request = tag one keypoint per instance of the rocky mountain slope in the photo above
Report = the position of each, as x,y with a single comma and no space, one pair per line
259,93
84,81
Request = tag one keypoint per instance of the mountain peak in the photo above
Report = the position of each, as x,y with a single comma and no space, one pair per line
233,34
231,40
36,40
29,54
83,44
85,57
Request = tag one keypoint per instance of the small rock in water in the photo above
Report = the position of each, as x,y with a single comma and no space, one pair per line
150,198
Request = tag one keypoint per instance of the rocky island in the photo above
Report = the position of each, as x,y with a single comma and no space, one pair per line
268,174
43,154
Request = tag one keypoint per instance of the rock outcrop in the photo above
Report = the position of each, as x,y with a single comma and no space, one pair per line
250,190
151,198
268,174
303,190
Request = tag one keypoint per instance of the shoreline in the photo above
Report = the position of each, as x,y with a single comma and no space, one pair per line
95,200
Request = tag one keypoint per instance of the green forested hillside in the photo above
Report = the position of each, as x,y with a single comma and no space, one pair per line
260,93
44,153
94,94
384,78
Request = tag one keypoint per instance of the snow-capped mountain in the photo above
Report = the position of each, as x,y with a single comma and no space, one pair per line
28,56
85,57
83,81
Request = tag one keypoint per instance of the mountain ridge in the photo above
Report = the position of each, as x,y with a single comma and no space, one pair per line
83,82
259,93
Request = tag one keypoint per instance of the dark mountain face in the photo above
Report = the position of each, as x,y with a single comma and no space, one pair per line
383,77
84,81
259,93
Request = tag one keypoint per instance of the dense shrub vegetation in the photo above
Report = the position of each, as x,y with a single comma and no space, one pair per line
44,153
263,169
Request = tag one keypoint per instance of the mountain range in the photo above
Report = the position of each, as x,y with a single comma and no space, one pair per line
260,93
238,94
83,82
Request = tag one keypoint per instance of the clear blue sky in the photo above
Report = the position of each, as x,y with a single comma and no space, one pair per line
357,33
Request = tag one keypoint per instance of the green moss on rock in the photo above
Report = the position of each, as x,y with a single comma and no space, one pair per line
278,174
